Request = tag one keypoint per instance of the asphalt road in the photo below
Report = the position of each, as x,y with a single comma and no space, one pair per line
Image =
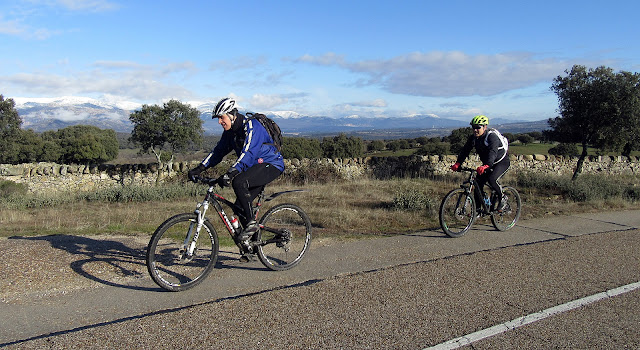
403,292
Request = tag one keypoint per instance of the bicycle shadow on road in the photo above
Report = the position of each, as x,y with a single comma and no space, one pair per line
106,261
112,262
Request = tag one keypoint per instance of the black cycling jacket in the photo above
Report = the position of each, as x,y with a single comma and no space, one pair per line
489,154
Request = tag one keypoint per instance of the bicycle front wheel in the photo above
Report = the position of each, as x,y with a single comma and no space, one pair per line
284,237
508,217
457,212
171,264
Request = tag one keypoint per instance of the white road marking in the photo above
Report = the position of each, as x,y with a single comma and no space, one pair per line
524,320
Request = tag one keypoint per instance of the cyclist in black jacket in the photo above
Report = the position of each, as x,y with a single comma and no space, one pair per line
492,149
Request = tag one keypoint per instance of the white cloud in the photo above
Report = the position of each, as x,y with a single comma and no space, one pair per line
17,28
261,101
24,17
327,59
268,102
449,74
377,103
238,63
126,79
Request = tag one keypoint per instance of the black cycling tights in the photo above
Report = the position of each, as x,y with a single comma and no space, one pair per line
493,176
248,184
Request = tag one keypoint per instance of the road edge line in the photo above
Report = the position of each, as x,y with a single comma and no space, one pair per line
534,317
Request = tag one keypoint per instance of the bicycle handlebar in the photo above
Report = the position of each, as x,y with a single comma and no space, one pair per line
464,168
208,181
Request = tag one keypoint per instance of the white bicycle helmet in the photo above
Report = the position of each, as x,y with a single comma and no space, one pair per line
225,106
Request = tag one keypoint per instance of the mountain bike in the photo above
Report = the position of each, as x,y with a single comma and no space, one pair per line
460,208
184,249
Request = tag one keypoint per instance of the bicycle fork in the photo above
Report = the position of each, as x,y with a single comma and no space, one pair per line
189,245
461,204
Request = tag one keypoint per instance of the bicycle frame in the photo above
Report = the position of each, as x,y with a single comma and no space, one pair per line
213,198
471,186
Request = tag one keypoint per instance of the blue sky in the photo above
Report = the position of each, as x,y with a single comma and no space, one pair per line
453,58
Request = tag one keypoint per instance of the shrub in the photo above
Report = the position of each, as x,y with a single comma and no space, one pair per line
43,200
585,188
564,149
531,179
592,187
632,194
131,193
10,188
413,200
137,193
433,148
312,173
384,168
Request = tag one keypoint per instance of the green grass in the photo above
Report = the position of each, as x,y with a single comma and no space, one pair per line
531,148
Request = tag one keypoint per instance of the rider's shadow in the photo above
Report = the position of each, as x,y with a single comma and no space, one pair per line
94,256
228,259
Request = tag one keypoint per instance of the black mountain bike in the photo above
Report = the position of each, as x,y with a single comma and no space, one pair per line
460,208
184,249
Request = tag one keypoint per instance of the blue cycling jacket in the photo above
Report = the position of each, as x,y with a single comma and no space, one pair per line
253,146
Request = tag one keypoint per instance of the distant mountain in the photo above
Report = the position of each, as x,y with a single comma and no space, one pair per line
51,114
347,125
56,113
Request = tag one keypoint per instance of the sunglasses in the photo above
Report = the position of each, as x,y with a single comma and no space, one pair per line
477,126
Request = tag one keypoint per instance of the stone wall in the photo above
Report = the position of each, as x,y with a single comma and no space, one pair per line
55,177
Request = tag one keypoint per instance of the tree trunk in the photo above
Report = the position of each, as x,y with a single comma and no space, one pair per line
626,150
583,156
160,166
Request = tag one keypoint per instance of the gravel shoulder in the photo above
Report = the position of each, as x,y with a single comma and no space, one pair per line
44,266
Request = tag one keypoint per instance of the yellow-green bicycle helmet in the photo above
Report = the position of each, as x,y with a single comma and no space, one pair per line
479,120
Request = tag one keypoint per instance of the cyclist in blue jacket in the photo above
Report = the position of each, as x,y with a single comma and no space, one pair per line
492,149
259,162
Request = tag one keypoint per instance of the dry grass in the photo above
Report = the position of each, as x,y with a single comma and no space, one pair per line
345,209
89,218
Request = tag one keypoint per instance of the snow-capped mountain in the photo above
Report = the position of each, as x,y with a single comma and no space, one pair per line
41,114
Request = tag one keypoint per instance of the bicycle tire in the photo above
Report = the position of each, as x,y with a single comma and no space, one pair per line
273,252
165,262
456,220
506,219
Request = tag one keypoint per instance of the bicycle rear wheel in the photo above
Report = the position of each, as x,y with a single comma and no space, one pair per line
284,237
457,212
167,261
508,217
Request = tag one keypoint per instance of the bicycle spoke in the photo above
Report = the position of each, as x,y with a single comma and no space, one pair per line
285,237
457,213
171,265
508,216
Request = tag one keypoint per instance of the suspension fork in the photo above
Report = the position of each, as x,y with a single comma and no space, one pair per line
469,189
189,244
